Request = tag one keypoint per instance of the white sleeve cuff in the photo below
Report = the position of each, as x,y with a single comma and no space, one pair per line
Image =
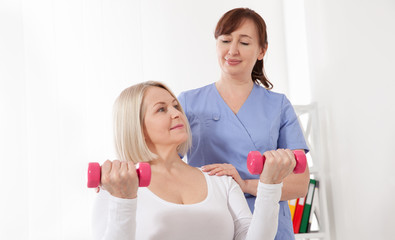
269,192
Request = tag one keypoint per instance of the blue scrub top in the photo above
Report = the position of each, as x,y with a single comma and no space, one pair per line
266,121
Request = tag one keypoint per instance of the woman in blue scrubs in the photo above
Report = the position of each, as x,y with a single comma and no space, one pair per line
239,113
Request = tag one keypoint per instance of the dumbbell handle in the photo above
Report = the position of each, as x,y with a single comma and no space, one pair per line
143,170
255,162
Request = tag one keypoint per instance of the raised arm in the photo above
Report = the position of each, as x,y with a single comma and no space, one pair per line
114,212
263,224
113,218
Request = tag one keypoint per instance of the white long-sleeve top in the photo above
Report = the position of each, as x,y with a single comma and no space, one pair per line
224,214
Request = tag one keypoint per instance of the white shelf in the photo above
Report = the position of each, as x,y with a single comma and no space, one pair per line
318,235
309,120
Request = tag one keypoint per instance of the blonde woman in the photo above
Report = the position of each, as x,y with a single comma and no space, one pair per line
182,202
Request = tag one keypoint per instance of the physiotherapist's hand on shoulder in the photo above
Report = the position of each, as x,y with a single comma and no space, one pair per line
222,169
278,165
120,179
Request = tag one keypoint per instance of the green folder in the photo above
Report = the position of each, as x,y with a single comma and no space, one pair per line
307,207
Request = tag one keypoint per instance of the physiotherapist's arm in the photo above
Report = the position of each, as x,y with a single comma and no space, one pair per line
295,185
291,135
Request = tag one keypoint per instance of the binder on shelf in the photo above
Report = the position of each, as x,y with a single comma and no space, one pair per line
307,207
298,214
292,205
314,224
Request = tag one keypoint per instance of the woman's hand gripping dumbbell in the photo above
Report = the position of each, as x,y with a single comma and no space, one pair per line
120,179
256,161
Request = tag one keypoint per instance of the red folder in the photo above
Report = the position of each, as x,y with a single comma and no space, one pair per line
298,214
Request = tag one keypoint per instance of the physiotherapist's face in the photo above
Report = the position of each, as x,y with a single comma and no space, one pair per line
164,123
237,52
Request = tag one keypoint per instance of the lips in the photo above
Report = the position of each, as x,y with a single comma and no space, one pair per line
233,62
177,126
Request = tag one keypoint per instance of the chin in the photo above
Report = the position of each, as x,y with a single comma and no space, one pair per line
182,139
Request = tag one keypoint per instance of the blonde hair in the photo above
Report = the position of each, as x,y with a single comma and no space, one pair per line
129,139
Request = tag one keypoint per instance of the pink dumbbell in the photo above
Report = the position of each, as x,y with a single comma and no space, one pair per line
255,162
143,170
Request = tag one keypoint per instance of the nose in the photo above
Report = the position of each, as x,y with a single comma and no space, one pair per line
233,48
175,113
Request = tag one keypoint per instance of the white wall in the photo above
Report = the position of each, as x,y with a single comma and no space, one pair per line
351,50
13,132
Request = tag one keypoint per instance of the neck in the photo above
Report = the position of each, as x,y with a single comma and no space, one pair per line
234,85
238,79
167,159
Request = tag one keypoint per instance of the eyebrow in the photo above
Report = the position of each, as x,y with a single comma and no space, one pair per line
245,35
241,35
174,100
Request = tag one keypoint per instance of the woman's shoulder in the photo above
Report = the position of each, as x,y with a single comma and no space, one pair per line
272,98
195,100
220,183
269,93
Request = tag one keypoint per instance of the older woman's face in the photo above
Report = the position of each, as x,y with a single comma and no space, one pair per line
164,123
238,51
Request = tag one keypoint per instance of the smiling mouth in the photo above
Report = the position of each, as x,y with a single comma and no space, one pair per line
177,126
232,62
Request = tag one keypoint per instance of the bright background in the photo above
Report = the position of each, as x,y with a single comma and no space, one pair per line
62,63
